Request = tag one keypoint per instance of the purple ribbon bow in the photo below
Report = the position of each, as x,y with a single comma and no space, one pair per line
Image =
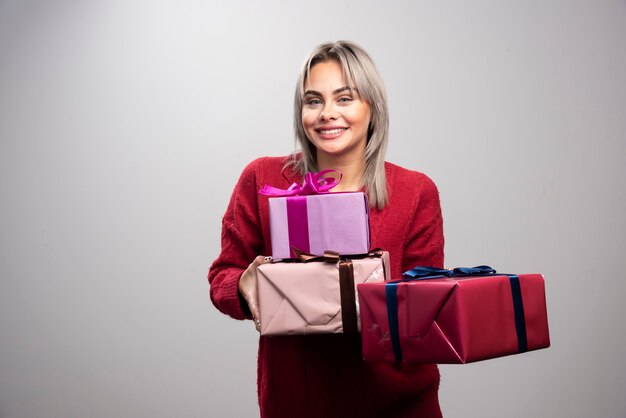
314,183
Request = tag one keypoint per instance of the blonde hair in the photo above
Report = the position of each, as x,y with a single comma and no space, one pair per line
359,68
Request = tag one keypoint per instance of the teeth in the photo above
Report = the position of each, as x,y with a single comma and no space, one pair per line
332,131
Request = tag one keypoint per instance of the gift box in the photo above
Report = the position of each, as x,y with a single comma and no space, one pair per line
459,316
318,296
312,220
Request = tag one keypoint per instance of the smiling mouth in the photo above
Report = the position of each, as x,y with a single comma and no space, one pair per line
331,131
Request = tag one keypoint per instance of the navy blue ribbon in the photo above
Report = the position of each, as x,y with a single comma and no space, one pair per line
473,271
426,273
392,313
423,273
518,309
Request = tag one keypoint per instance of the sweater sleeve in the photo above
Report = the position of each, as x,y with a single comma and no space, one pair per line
425,241
242,241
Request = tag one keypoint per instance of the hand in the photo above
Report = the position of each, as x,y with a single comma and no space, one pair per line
248,288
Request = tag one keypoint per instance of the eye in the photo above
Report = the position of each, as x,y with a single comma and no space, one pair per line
312,101
345,99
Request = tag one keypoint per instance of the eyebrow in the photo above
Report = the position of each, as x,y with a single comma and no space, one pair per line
337,91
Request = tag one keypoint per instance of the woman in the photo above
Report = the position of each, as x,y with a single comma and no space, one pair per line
341,123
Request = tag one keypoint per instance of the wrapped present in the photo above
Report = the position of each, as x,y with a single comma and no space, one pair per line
459,316
317,296
311,219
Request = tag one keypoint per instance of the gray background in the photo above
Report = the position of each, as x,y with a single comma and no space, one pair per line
125,124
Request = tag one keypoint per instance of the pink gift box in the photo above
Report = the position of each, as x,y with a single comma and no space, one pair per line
315,223
453,320
306,298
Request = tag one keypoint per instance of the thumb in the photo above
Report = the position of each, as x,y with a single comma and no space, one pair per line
262,260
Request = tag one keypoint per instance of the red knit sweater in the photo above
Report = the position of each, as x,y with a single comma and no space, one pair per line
324,375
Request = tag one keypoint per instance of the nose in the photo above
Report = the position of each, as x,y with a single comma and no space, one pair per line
328,113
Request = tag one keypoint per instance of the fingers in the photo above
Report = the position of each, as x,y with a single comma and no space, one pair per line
254,301
261,260
257,324
254,307
248,288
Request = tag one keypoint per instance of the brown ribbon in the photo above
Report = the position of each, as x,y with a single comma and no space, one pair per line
332,256
329,256
346,281
348,302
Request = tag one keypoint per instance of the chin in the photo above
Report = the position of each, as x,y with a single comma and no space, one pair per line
331,151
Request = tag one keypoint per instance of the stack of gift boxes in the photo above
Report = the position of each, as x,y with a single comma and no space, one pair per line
326,279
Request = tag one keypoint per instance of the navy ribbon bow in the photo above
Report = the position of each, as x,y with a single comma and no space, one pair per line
426,273
423,273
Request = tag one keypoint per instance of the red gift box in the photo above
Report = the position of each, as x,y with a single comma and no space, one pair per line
453,319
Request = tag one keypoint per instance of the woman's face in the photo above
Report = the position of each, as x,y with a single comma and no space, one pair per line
334,116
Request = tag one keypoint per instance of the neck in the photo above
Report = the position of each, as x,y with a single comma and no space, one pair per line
352,170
